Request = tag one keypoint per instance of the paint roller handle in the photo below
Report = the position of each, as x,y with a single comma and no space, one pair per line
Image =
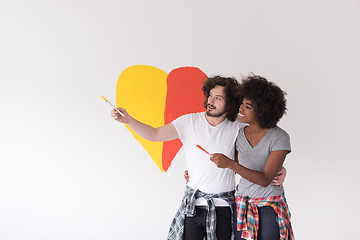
112,106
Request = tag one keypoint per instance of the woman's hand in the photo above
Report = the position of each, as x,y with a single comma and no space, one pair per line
186,176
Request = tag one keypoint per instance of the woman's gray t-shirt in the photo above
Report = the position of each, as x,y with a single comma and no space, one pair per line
255,158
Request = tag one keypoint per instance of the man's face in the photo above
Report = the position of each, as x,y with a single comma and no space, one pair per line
216,102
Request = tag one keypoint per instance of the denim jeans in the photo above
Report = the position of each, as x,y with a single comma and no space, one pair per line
195,227
268,226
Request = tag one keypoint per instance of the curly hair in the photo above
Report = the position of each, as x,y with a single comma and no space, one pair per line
233,99
268,99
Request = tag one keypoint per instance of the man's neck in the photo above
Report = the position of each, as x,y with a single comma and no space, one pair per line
214,121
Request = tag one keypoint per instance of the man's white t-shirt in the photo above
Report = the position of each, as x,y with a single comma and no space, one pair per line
193,129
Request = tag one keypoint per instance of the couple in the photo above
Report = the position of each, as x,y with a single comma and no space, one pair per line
239,123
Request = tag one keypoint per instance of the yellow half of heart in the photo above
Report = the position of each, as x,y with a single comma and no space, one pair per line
141,90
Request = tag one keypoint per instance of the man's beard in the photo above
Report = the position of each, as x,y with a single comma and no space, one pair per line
215,114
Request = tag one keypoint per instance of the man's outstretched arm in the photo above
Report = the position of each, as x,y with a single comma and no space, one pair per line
164,133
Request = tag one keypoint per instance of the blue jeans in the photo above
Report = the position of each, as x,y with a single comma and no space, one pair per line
268,226
195,227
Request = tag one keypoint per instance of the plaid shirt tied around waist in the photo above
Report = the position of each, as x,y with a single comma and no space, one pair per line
187,208
248,216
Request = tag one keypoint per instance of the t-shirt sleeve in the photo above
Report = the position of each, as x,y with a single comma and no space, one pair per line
180,124
282,142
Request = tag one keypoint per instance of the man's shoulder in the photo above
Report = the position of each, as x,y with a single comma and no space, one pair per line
237,124
194,115
189,117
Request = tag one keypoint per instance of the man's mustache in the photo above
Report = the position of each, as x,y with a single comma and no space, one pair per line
210,105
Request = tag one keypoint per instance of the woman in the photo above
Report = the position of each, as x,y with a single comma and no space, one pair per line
262,211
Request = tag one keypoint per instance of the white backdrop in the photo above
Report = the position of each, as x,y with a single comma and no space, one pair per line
69,171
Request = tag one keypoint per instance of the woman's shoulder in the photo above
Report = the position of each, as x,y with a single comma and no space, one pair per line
279,132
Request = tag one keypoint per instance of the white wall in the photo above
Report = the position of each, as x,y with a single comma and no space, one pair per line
69,171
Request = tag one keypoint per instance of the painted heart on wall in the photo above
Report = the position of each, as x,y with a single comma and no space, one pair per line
154,97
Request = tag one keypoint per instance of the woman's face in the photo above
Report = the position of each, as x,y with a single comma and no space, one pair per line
246,112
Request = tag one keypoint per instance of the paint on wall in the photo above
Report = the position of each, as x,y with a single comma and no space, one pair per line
154,97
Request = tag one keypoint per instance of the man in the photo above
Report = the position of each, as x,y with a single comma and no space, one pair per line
207,206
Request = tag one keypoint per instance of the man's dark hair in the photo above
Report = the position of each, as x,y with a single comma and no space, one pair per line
231,88
268,99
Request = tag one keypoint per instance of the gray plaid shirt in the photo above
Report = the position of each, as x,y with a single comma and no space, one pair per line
187,208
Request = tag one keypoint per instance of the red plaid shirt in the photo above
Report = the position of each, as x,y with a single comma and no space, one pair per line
248,216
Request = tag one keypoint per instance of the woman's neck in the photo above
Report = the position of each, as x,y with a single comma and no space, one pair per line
254,134
255,128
